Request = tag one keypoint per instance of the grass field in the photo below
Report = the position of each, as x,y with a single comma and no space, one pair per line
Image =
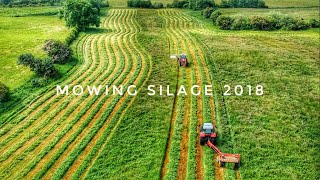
45,136
24,35
122,3
275,132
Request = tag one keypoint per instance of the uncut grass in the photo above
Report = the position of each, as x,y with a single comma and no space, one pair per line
25,35
138,155
275,133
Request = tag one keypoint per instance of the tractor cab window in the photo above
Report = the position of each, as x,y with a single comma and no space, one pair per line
208,131
183,56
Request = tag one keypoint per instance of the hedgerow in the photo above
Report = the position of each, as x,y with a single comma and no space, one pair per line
4,92
266,23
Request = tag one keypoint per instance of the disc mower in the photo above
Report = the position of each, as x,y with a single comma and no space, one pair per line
208,136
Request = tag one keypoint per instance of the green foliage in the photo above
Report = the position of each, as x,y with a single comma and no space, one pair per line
214,16
314,23
243,4
267,23
80,14
207,12
201,4
43,68
140,3
158,5
224,22
57,51
72,36
4,93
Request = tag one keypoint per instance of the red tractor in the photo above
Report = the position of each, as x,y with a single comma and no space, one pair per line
208,136
207,133
183,60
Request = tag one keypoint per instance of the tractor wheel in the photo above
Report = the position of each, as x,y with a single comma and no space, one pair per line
222,164
202,141
236,165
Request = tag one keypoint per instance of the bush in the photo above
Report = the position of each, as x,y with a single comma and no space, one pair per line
41,68
260,23
72,36
241,23
180,4
4,93
215,15
201,4
139,3
243,4
314,23
158,5
59,52
207,12
224,22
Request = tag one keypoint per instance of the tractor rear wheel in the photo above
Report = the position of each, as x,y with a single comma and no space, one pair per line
212,140
236,165
222,164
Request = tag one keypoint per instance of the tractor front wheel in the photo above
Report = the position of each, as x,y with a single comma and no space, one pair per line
202,141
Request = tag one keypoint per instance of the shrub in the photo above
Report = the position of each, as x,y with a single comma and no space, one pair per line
260,23
59,52
243,4
314,23
72,36
224,22
4,93
201,4
139,3
41,68
215,15
207,12
158,5
241,23
180,4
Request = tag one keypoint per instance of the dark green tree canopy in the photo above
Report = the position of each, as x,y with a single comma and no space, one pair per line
80,14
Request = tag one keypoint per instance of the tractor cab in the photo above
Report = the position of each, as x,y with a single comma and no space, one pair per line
183,60
207,132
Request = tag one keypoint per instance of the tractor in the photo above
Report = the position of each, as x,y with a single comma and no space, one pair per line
207,133
183,60
208,136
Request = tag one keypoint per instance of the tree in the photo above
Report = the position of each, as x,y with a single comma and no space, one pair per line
4,92
80,14
57,51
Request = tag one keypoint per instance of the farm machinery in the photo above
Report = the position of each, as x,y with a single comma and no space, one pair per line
208,136
182,59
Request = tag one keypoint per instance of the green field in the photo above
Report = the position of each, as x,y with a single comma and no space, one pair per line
24,35
45,136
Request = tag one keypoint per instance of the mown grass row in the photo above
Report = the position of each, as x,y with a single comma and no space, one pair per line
135,72
39,112
109,82
41,97
136,145
103,134
69,111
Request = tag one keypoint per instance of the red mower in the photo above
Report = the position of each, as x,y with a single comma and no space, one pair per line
208,136
183,60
